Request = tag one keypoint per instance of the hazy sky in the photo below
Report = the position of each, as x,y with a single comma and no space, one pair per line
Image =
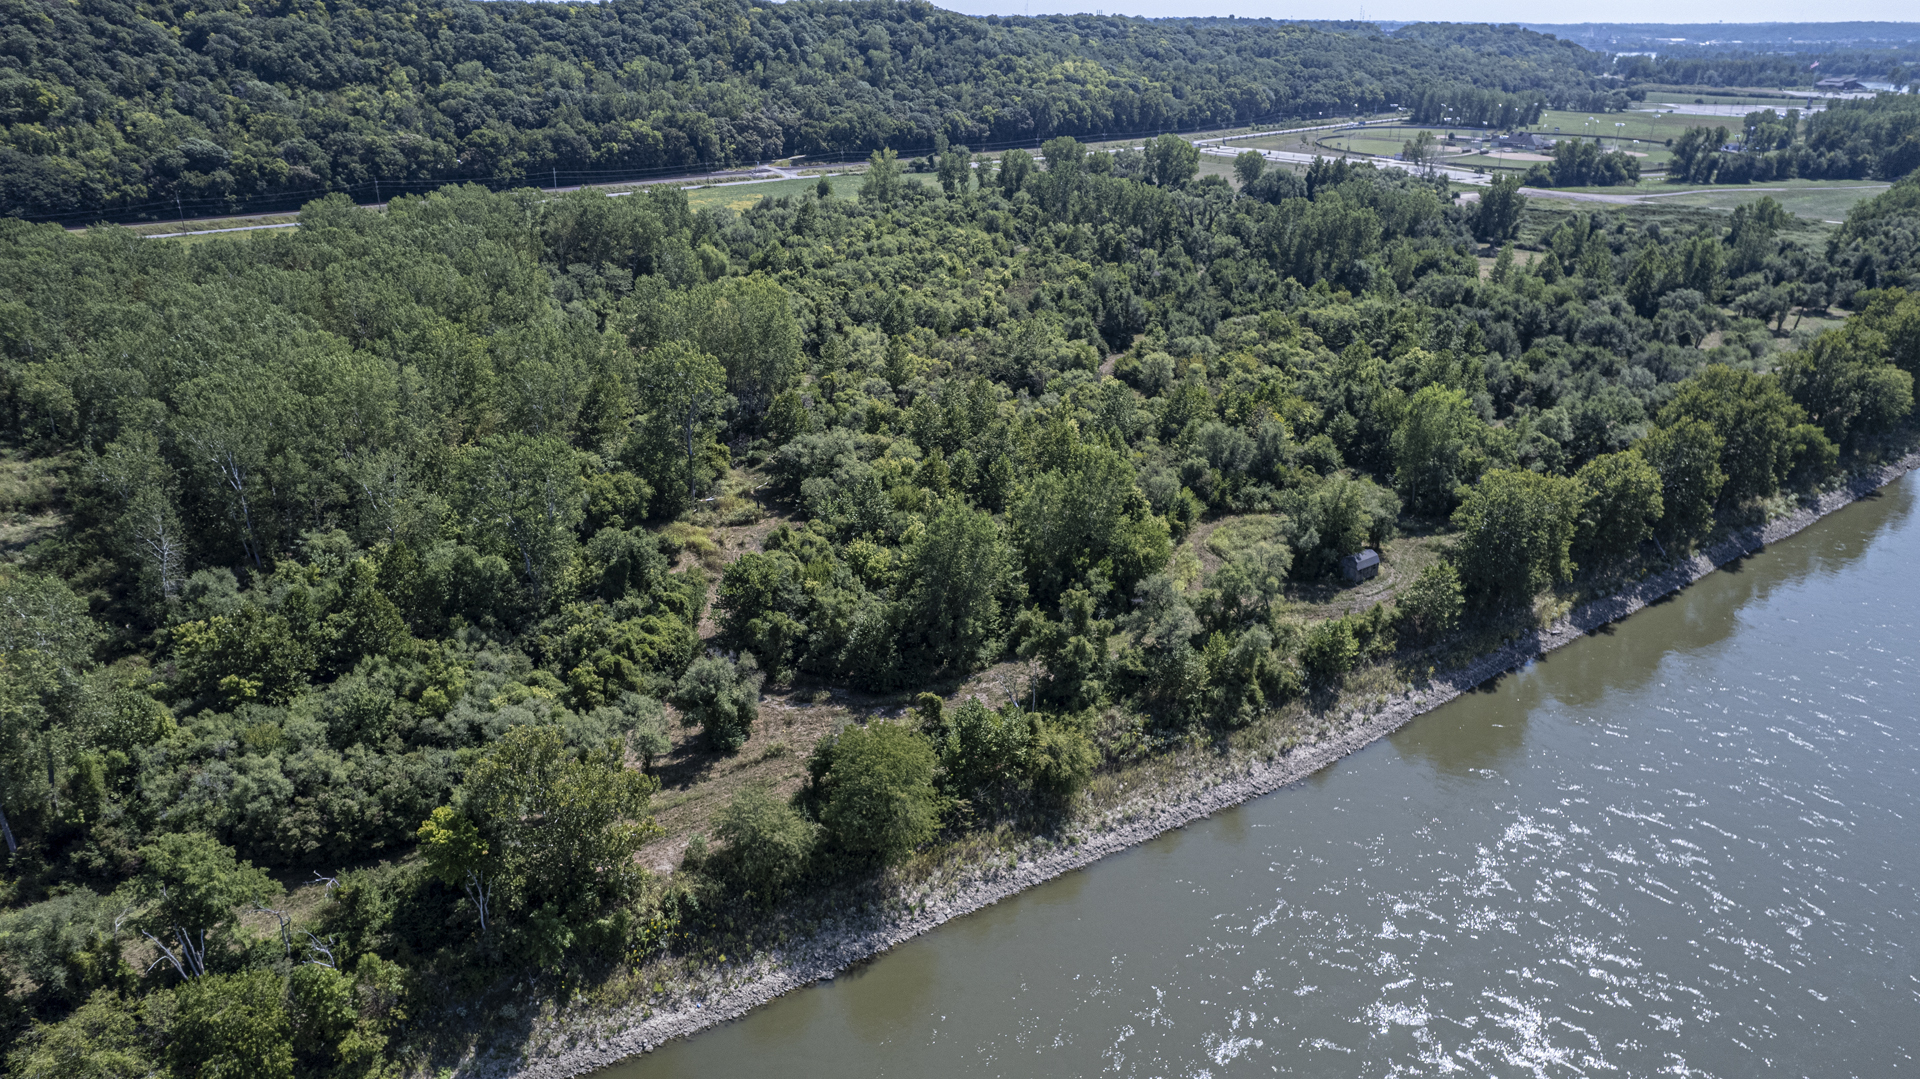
1732,11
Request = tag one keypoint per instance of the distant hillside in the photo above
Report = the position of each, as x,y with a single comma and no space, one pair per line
149,109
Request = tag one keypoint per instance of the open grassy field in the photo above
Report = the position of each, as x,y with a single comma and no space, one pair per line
1682,97
1650,157
1543,215
739,196
1301,143
1817,202
1384,142
1215,165
1640,128
1490,164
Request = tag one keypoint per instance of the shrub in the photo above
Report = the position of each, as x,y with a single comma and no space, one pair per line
1062,757
723,698
873,788
1329,650
231,1027
99,1040
769,844
982,751
1620,503
1433,602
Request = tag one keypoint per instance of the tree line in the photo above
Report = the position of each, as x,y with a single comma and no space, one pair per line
1875,138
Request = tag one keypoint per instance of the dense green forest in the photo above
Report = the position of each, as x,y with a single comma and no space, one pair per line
359,576
146,110
373,560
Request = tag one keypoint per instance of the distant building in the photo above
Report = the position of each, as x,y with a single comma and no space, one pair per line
1523,140
1359,567
1839,82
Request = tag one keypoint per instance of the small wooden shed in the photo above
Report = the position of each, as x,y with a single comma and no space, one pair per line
1358,567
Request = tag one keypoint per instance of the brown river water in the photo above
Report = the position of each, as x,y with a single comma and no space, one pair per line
1683,846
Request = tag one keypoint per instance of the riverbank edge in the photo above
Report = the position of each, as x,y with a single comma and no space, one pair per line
1155,811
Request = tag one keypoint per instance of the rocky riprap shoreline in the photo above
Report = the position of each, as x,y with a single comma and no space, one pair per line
839,945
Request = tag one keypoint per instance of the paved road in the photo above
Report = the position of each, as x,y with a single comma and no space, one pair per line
1594,196
210,232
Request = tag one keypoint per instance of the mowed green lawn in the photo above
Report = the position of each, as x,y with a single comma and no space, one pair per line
1640,127
1383,143
1689,97
740,196
1814,202
1300,143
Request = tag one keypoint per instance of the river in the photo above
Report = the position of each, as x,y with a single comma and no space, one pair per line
1684,846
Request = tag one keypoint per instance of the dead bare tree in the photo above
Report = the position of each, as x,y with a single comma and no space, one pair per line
190,962
324,949
286,923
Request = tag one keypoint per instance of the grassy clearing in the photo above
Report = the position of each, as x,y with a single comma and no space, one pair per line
1521,260
1816,205
1824,203
1237,137
1631,129
740,196
1696,95
1302,143
1543,215
1383,142
696,783
32,500
1215,165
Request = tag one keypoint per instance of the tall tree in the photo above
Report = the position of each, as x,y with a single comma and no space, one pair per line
523,495
957,582
1686,454
193,884
747,324
1248,165
956,170
1430,448
1620,502
1497,217
883,184
1173,160
1754,419
1516,535
46,646
550,824
685,397
1088,520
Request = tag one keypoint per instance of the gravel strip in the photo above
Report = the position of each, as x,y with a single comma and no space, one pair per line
833,950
